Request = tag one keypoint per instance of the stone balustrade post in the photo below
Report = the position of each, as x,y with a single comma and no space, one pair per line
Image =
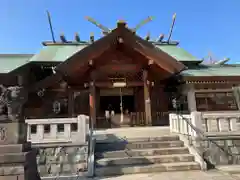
67,131
29,132
171,122
53,131
222,125
40,131
183,125
81,121
196,120
233,124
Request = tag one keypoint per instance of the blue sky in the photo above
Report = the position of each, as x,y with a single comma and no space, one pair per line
201,26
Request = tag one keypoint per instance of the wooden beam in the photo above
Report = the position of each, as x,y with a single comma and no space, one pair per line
213,90
119,68
121,24
160,38
147,38
73,43
109,84
77,37
91,37
63,38
212,78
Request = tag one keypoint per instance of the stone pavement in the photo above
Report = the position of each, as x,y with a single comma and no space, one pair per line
114,134
184,175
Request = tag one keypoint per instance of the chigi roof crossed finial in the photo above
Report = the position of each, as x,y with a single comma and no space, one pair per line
105,30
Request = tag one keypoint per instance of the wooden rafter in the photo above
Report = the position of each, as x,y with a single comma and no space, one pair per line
142,46
151,52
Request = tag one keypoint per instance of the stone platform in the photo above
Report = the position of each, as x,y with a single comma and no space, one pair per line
114,134
17,159
189,175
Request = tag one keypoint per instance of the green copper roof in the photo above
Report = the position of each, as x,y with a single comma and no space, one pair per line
177,53
56,53
10,62
59,53
215,70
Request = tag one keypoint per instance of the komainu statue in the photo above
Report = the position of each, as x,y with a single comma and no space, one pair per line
11,102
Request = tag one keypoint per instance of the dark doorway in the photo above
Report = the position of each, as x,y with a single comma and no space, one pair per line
114,102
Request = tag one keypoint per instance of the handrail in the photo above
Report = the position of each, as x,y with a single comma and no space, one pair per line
202,135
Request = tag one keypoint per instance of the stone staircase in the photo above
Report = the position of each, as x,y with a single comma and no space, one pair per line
143,155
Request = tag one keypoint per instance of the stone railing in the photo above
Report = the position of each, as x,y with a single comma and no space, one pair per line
179,123
216,135
223,121
58,130
209,122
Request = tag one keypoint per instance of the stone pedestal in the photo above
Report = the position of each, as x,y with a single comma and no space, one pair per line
17,159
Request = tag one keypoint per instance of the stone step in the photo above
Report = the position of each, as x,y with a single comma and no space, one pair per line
136,145
139,139
13,158
145,160
160,138
15,177
15,148
143,152
165,167
11,170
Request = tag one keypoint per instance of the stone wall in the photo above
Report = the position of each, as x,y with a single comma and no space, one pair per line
220,151
61,159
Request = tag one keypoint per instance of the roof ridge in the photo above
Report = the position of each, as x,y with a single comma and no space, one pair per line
3,55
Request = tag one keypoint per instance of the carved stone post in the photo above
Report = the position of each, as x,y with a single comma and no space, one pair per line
13,137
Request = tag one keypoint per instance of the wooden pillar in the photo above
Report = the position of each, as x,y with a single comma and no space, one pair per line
92,103
70,102
97,101
191,98
147,98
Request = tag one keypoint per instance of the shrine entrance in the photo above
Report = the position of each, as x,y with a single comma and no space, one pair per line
117,104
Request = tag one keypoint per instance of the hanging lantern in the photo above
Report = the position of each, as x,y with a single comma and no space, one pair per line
174,103
56,107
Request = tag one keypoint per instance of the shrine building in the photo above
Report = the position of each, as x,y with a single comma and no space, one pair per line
139,82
